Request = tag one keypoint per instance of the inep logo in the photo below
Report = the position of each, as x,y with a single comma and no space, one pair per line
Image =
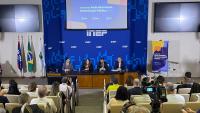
96,33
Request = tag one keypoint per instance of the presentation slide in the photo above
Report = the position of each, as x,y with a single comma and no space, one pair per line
96,14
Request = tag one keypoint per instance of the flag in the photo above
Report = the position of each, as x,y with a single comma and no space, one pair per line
41,56
24,66
30,57
19,56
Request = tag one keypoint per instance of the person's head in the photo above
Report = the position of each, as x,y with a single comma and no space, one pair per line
129,81
170,88
138,109
64,80
121,94
188,76
114,80
32,87
55,88
160,79
42,91
102,60
119,59
136,82
23,98
13,87
145,81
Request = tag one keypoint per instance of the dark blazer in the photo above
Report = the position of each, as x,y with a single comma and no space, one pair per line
100,66
135,91
83,67
3,100
116,66
28,109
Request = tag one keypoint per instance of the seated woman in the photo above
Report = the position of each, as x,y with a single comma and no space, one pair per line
32,89
67,67
13,88
121,97
87,66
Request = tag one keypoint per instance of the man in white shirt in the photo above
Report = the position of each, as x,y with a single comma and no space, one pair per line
172,96
64,87
42,93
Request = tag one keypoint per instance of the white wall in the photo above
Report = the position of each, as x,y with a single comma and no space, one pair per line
8,45
184,47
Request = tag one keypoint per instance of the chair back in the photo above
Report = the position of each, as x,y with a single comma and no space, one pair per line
184,90
193,105
1,105
10,106
186,97
168,107
13,98
116,108
147,105
194,97
141,99
56,101
44,107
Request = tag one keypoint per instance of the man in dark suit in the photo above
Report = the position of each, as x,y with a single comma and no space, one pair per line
119,64
137,90
187,83
102,66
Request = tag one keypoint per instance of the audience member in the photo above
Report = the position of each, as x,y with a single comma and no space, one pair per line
54,89
102,66
13,88
172,96
42,93
138,109
114,86
32,89
24,99
3,99
65,86
129,81
87,66
137,90
111,82
120,98
187,83
119,64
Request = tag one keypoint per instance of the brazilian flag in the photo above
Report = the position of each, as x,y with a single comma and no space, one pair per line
30,57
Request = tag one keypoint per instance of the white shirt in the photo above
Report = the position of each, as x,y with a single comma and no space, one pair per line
175,98
45,100
64,88
32,94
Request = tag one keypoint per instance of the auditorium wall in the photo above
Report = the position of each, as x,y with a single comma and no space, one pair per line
8,46
184,48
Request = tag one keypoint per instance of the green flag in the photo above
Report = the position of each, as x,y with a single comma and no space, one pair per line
30,57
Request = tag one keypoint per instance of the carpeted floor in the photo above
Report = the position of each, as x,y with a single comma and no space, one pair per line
90,101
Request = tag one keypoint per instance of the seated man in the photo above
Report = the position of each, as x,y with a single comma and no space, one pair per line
42,93
187,83
172,96
25,108
119,64
65,87
137,90
102,66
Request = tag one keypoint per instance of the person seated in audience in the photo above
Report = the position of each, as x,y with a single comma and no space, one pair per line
137,109
13,88
87,66
42,93
102,66
67,67
25,107
120,98
145,83
119,65
111,82
65,86
136,90
114,86
187,83
32,89
188,110
54,89
3,99
129,82
172,96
